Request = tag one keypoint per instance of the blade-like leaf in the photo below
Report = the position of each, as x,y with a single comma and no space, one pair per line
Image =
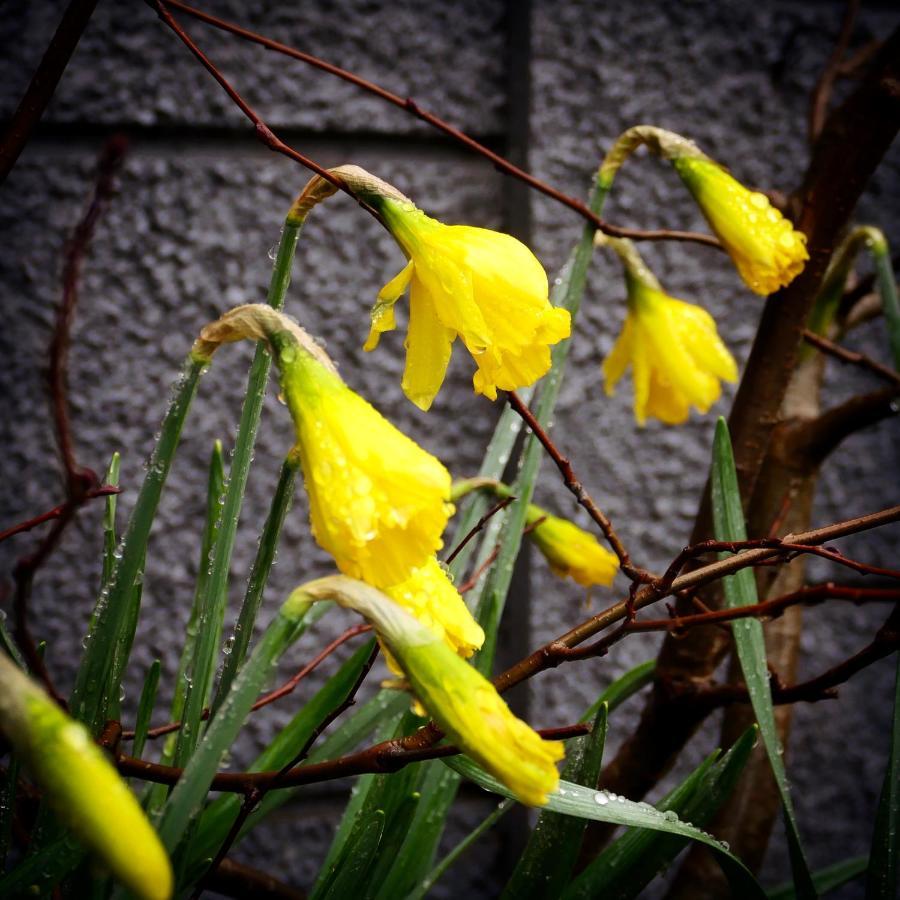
630,863
145,709
7,806
827,879
881,883
111,612
749,642
43,869
887,287
259,576
350,872
109,519
549,858
189,793
601,806
215,599
216,819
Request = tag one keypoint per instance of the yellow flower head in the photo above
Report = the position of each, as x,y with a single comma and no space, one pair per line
673,347
457,696
378,501
82,786
486,287
764,246
429,595
570,550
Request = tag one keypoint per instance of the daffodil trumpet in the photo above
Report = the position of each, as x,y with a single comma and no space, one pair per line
483,286
676,356
378,502
462,702
764,246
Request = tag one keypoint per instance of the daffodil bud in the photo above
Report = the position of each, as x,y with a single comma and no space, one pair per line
571,551
482,286
457,696
378,501
429,595
764,246
673,348
82,786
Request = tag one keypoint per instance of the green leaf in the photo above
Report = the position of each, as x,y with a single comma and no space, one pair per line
630,863
92,684
881,883
492,598
109,518
887,288
216,819
553,847
188,795
622,689
740,590
827,879
472,837
215,485
350,872
600,806
43,869
145,709
10,647
212,608
259,576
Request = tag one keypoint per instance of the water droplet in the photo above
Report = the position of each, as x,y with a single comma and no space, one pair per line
670,815
601,799
273,252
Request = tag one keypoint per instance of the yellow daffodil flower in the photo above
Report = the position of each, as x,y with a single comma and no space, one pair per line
378,501
81,784
765,247
673,347
429,595
457,696
571,551
486,287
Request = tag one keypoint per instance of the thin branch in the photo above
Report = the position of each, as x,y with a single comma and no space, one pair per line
577,488
234,879
43,83
821,95
81,483
851,356
386,757
478,526
278,693
104,490
407,104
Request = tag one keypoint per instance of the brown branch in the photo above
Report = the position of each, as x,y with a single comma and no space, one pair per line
104,490
476,528
384,758
407,104
821,95
43,83
851,356
278,693
81,482
817,438
234,879
577,488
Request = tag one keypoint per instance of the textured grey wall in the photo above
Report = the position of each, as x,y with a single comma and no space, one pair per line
200,205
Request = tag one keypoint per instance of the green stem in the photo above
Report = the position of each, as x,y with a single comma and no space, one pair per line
493,596
259,575
212,612
92,687
887,287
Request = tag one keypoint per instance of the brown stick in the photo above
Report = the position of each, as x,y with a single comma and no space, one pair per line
43,83
104,490
409,105
851,356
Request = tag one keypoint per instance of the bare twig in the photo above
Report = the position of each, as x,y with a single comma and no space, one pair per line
104,490
851,356
577,488
408,105
502,504
821,95
278,693
43,83
234,879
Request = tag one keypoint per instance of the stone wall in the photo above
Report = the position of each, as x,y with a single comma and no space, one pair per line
189,234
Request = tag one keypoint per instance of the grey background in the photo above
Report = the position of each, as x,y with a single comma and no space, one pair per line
188,235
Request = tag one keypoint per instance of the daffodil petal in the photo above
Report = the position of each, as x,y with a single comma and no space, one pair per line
428,345
383,311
